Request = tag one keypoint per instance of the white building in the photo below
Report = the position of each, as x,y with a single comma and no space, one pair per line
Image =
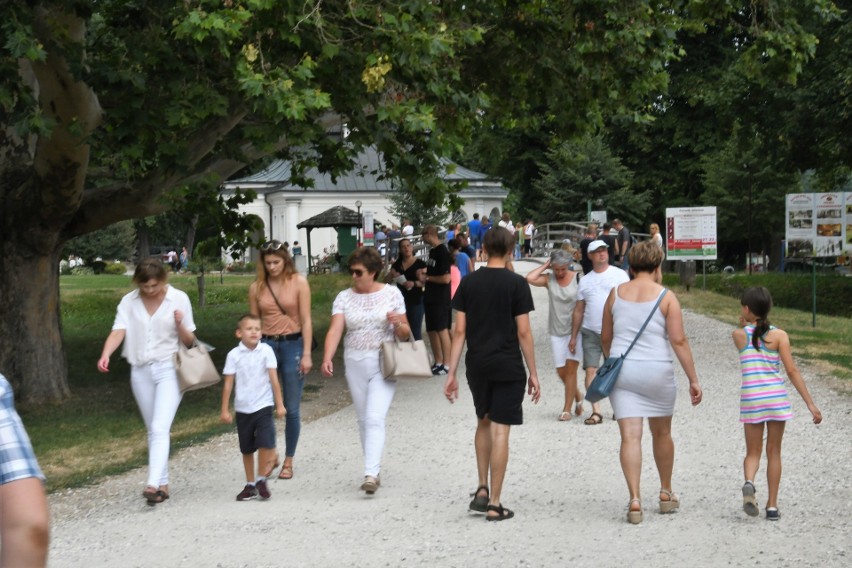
280,205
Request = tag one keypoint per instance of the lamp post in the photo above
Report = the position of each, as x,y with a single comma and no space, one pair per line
358,231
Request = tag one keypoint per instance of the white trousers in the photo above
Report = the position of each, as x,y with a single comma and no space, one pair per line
372,396
155,387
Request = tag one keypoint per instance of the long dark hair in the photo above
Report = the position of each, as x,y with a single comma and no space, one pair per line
759,301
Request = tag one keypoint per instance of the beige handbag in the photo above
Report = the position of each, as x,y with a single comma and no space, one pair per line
405,359
194,367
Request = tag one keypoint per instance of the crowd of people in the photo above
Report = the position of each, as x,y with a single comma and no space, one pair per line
598,296
614,304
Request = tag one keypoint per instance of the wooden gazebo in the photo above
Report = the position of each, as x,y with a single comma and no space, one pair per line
336,217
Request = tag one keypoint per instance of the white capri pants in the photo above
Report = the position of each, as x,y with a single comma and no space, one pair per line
561,353
158,396
372,396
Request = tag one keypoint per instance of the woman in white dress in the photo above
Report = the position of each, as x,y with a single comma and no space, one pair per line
646,387
372,313
562,283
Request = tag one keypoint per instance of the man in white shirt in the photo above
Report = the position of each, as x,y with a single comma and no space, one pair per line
407,228
592,294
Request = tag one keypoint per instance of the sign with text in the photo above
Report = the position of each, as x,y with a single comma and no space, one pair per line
818,224
691,233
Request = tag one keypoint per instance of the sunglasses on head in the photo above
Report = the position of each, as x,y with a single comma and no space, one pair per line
356,272
271,246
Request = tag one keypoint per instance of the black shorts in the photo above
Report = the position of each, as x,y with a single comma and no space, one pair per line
500,401
437,316
256,430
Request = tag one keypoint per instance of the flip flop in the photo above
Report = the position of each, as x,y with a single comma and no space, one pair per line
564,417
595,418
502,513
286,472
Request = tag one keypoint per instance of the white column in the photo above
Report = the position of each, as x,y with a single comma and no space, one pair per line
291,220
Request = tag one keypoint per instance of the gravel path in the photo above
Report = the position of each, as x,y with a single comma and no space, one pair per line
564,483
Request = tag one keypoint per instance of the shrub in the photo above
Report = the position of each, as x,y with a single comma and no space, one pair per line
115,268
78,270
795,291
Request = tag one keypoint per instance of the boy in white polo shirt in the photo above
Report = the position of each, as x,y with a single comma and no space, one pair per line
254,368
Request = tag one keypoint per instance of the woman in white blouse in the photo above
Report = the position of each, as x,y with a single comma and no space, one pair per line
150,321
371,313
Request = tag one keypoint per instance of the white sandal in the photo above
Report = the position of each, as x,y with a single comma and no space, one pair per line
634,517
671,504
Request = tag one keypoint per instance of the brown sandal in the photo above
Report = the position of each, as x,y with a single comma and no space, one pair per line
154,496
595,418
286,472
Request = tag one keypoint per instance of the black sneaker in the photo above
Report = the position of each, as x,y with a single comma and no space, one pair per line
436,369
442,370
248,492
772,514
263,490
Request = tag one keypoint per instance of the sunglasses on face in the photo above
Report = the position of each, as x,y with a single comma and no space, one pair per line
356,272
271,246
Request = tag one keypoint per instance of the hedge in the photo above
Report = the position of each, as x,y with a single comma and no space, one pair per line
833,291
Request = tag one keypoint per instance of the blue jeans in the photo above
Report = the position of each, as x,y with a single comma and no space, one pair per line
414,312
289,354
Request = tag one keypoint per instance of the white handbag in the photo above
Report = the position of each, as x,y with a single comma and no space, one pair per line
405,359
194,367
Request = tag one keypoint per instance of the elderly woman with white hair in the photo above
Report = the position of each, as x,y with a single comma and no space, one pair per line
562,283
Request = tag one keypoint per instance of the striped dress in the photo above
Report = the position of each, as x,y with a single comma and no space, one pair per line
763,396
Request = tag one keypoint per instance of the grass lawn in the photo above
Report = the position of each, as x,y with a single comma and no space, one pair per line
826,345
98,431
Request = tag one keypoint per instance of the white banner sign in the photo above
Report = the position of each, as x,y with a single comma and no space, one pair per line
818,224
691,233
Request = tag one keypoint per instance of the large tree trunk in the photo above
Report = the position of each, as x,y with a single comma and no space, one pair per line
31,355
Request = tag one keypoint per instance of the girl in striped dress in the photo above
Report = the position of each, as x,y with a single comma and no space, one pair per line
763,397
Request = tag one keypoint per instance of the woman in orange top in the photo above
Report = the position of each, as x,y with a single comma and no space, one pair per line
282,298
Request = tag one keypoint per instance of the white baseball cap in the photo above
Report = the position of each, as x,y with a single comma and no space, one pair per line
597,244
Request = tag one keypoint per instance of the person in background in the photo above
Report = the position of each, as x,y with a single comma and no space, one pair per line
466,247
24,515
394,234
588,313
184,260
436,298
492,315
150,321
483,228
473,227
252,369
406,272
623,242
297,248
529,233
371,313
519,240
281,297
609,239
407,228
562,284
646,384
589,236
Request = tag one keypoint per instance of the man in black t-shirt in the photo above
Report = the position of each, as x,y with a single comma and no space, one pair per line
623,242
590,235
493,306
436,298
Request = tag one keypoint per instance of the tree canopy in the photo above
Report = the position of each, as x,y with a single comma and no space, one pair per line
120,109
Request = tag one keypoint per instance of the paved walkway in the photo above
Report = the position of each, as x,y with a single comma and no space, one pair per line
564,483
